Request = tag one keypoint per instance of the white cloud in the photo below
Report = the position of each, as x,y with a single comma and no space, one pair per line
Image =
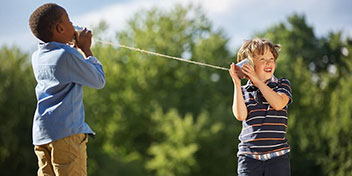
238,18
24,40
117,15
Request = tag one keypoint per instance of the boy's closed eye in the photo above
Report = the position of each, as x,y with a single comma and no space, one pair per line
263,60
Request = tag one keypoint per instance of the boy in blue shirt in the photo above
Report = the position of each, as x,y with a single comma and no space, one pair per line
261,105
60,132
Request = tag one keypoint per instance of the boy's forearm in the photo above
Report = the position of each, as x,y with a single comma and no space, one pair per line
239,108
87,52
276,100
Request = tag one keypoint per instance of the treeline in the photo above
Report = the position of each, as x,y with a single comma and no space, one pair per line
167,118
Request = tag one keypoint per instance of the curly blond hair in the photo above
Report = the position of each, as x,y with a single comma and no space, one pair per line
251,48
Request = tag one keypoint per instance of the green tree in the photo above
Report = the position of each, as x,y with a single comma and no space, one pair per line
163,117
17,105
124,120
175,152
319,72
336,129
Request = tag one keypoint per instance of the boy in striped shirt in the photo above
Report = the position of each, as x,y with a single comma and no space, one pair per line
261,105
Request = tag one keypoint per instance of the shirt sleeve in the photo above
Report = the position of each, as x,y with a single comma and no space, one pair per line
285,87
87,72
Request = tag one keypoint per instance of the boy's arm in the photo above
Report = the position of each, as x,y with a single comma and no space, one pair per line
87,72
239,108
277,100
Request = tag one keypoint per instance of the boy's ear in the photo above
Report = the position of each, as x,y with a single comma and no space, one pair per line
59,28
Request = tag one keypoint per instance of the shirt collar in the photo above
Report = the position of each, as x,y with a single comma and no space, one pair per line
272,82
50,45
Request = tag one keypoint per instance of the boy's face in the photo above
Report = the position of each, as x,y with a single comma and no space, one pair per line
67,31
264,65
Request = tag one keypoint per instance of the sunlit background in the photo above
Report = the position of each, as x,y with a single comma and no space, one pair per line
239,19
160,117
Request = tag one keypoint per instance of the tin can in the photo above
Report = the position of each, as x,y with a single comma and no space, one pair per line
240,64
78,29
244,61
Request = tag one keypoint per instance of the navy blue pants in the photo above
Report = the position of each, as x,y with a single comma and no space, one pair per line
278,166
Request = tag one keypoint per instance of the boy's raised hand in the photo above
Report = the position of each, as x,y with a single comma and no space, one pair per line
234,71
84,41
250,73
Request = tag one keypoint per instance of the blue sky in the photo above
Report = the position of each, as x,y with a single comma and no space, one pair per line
238,18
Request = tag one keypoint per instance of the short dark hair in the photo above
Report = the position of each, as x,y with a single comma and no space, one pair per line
43,19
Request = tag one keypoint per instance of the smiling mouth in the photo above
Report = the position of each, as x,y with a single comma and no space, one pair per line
267,69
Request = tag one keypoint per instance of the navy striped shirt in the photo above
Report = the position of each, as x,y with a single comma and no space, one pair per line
264,129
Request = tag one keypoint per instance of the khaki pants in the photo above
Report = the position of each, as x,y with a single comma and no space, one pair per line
63,157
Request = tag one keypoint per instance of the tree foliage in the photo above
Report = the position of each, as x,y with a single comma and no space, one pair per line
17,103
158,116
320,71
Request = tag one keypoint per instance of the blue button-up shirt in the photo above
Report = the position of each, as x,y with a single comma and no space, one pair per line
61,71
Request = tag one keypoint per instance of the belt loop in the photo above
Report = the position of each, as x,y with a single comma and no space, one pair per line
85,137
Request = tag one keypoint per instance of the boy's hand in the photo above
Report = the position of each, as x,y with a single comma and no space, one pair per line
234,71
84,41
250,73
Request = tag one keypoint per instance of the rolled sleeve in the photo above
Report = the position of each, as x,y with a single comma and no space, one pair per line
94,60
285,87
